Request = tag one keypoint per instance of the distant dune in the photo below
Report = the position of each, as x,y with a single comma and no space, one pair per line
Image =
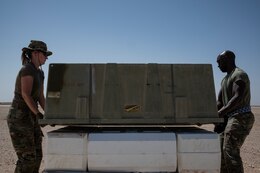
5,103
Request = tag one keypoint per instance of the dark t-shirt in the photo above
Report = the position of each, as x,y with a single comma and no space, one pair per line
38,78
227,88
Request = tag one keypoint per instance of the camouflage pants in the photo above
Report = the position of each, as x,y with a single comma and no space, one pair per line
26,137
236,131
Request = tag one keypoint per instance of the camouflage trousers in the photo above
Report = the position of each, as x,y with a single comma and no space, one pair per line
26,137
237,129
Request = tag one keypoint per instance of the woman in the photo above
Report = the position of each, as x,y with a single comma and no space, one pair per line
23,115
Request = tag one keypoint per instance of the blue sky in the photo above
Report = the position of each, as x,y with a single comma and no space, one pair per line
131,31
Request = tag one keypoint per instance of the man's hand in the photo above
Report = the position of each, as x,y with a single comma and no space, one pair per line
220,114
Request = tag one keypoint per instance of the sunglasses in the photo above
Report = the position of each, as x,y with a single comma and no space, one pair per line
44,53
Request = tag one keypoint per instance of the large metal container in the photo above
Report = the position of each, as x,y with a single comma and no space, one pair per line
130,94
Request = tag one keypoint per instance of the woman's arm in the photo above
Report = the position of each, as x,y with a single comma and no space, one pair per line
42,98
26,89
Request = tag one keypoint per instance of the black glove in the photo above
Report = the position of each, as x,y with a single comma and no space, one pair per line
219,127
39,115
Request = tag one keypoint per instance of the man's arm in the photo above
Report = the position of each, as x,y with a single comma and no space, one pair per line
219,101
238,91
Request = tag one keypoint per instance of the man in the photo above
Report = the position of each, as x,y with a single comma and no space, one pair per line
234,106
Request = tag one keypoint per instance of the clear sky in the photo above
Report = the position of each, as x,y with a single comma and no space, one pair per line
131,31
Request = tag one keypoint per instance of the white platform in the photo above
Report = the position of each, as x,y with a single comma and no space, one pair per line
132,152
195,151
198,152
66,151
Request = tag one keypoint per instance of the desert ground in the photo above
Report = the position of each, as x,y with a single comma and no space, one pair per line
250,151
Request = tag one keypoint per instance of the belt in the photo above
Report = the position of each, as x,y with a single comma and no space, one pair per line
245,109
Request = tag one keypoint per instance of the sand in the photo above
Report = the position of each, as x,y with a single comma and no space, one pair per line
250,151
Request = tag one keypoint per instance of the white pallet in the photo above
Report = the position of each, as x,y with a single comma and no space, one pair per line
198,152
132,152
66,151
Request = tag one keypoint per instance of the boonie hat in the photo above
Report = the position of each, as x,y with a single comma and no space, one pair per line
37,45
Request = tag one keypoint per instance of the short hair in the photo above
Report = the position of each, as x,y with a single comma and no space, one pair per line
228,54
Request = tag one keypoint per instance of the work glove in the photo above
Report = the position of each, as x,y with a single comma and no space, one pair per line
219,127
39,116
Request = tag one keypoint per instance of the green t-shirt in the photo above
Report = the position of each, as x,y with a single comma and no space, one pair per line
227,88
38,77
